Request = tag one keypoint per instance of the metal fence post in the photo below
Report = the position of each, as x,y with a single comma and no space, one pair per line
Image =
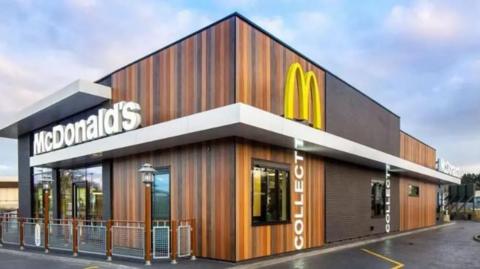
174,242
1,230
109,240
46,204
20,223
75,237
193,244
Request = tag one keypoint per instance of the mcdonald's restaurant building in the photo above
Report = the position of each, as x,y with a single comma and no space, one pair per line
265,149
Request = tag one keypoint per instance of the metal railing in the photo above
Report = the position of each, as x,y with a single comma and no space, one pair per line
171,239
128,239
184,230
33,232
10,230
60,234
161,239
92,237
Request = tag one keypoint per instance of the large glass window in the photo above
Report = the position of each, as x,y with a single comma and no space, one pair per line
378,198
161,195
81,193
38,175
270,194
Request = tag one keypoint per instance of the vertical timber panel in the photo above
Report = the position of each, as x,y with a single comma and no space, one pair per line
258,241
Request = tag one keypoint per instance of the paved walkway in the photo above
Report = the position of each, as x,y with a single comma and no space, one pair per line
446,247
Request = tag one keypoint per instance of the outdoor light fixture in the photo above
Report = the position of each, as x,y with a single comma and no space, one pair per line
146,173
46,180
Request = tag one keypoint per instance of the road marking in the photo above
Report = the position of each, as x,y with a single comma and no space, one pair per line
398,265
91,267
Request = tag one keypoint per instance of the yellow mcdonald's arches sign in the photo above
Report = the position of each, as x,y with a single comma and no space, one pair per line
307,84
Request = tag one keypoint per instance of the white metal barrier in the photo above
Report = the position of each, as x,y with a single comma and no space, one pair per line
184,247
11,231
34,233
60,235
92,238
161,240
128,240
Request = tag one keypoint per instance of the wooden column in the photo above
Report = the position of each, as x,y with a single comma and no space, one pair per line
174,241
46,216
148,223
109,240
75,237
193,236
20,226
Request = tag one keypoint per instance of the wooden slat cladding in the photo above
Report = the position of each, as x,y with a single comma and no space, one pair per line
191,76
417,212
261,67
416,151
202,188
257,241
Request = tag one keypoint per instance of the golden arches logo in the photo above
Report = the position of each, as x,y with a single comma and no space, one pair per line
307,84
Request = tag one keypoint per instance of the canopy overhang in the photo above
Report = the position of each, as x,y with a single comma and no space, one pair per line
236,120
72,99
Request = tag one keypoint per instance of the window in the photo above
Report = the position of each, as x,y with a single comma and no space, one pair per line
413,191
161,195
38,174
378,197
270,194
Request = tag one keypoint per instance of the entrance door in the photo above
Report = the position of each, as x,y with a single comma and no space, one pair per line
161,195
80,200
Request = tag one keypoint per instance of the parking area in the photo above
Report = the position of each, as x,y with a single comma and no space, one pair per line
447,247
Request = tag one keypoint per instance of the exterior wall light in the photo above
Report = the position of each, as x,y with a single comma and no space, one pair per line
146,173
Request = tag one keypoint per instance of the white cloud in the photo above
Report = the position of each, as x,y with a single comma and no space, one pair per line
426,20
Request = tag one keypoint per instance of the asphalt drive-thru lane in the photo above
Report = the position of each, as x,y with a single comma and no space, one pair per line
447,247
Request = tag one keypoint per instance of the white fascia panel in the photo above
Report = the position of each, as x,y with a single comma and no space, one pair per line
71,99
238,120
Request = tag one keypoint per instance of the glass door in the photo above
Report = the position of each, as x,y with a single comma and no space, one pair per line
80,200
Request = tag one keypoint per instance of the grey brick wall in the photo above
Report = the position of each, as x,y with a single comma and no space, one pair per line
347,195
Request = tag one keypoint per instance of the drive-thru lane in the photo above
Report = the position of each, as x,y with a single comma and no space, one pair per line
447,247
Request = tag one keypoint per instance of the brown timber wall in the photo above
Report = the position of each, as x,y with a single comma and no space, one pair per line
258,241
416,151
261,67
190,76
417,212
202,178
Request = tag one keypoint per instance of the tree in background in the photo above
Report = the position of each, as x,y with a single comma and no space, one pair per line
471,178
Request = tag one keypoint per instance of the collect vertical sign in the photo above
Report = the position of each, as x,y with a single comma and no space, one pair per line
387,198
299,203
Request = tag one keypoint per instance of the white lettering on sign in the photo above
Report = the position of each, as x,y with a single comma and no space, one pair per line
298,225
387,199
446,167
124,116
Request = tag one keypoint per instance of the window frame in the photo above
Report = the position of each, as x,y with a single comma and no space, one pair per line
277,166
410,187
169,170
381,215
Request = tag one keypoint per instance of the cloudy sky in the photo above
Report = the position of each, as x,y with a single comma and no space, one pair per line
420,58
